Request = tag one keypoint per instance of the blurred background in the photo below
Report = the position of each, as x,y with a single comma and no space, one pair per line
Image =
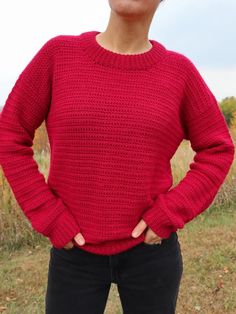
205,32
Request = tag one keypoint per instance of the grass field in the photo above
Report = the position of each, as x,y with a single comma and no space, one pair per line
208,246
208,283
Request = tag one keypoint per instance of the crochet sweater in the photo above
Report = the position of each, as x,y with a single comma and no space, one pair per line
114,121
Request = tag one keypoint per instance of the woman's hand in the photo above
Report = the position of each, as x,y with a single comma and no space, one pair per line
151,236
78,239
69,245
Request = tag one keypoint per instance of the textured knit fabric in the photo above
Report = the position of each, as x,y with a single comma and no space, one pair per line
114,122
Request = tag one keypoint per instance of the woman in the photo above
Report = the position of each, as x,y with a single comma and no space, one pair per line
116,107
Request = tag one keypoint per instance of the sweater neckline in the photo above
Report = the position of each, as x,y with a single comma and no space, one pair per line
101,55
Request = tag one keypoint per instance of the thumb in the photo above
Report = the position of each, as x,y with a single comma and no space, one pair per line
140,227
79,239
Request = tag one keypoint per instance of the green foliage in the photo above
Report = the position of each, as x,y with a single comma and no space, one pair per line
228,107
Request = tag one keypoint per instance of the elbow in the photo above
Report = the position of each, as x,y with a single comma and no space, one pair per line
230,151
227,146
231,147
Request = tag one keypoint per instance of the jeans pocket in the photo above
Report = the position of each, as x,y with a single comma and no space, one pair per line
53,248
165,242
151,244
69,249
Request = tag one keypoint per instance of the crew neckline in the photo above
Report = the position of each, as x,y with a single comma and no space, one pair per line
103,56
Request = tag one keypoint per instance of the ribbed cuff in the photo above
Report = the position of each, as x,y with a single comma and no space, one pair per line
66,228
158,221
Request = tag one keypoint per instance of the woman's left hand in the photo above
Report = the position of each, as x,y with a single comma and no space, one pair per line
151,236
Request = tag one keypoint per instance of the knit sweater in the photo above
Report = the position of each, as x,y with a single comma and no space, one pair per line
114,121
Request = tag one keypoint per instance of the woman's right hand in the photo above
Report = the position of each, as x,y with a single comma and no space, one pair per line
69,245
78,238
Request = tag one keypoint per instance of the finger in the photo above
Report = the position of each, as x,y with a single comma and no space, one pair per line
69,245
79,239
140,227
152,240
152,233
152,237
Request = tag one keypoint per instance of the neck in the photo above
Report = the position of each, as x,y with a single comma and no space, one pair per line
106,57
123,35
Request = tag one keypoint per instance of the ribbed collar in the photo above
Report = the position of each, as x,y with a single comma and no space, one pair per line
107,57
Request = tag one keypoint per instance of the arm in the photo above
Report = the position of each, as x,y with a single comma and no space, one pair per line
25,109
209,136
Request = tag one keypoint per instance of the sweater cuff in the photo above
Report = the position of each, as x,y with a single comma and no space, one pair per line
159,222
64,231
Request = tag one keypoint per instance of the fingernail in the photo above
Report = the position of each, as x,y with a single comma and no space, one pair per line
135,234
81,241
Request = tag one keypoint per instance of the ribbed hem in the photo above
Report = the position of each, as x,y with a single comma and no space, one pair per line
65,230
107,57
111,247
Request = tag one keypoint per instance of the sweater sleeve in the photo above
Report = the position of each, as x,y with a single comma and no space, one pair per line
25,109
205,126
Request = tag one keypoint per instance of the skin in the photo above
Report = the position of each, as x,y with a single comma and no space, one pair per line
127,33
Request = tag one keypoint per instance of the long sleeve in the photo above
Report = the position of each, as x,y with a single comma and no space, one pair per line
206,128
25,109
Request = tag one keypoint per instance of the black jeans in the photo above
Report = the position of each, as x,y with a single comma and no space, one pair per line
147,276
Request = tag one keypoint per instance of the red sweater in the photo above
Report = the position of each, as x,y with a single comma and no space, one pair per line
114,122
